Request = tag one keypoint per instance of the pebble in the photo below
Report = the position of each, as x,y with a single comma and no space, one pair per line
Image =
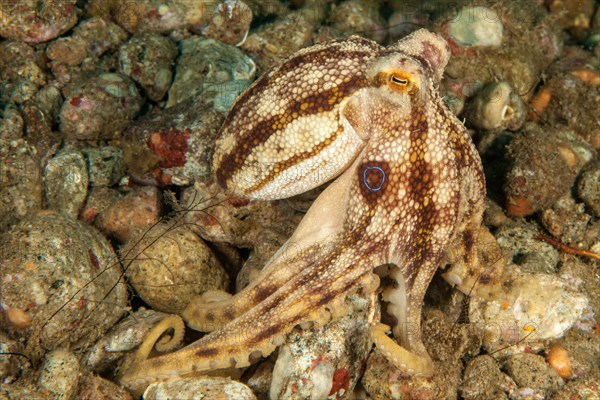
215,71
20,74
213,388
170,265
10,361
49,100
588,187
531,371
120,341
91,38
543,166
137,210
230,22
34,22
21,188
92,387
477,26
519,241
148,60
360,17
100,108
270,43
47,260
11,128
99,200
567,221
60,374
157,16
66,182
260,379
105,165
483,379
587,387
572,88
39,128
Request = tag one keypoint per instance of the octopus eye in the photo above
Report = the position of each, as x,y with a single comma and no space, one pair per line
398,80
401,81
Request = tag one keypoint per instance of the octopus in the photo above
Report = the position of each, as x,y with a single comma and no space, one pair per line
407,191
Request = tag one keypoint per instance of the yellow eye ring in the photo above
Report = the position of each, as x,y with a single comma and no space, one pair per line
399,81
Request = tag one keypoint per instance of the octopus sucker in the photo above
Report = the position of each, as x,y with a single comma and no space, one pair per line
408,189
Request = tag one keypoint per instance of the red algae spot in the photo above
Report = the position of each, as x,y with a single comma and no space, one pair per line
89,214
170,146
211,221
94,260
238,201
318,360
153,14
75,101
82,303
341,380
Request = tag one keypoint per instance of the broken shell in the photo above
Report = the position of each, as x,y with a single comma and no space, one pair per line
497,106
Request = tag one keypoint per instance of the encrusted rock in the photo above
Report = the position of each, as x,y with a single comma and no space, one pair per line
121,340
173,146
20,74
588,187
483,380
524,310
359,17
148,59
21,189
567,221
105,165
91,38
169,265
60,374
531,371
34,22
60,279
100,108
325,362
269,44
134,212
201,388
544,165
230,22
213,70
66,182
520,243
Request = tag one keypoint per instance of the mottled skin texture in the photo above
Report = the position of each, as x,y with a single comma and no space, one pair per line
410,192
